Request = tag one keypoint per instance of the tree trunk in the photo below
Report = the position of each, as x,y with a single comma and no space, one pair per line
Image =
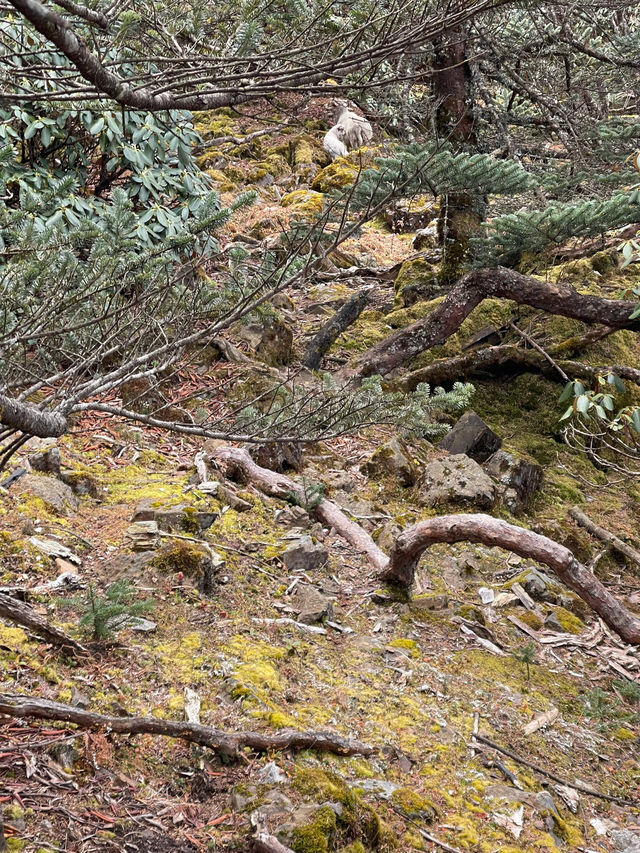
494,532
461,214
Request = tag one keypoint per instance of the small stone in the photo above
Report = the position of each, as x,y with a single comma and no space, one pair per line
472,437
310,605
429,601
270,773
142,535
46,461
303,555
131,623
486,595
518,479
230,498
78,699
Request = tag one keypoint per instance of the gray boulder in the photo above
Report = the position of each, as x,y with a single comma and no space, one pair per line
392,458
456,480
310,605
472,437
55,494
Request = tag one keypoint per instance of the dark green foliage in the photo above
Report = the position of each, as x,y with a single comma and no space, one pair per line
527,655
98,610
312,495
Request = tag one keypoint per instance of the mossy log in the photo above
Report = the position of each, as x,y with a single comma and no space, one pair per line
509,357
472,289
228,744
344,317
486,530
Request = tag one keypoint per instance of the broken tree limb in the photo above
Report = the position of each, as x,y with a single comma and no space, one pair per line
576,786
469,292
281,486
486,530
224,743
604,535
24,615
344,317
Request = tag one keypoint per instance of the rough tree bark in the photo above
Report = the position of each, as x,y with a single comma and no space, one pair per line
335,325
224,743
26,418
469,292
279,486
20,613
486,530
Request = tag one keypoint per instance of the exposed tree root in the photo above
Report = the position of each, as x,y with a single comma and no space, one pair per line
20,613
509,357
281,486
605,536
469,292
485,529
224,743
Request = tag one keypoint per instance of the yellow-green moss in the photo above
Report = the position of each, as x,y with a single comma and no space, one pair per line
356,847
413,805
314,837
180,660
571,623
531,619
409,646
623,733
180,556
341,173
306,203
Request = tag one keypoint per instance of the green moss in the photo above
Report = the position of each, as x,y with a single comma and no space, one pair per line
571,623
624,734
306,203
181,556
14,845
531,619
409,646
416,280
315,836
339,174
413,805
356,847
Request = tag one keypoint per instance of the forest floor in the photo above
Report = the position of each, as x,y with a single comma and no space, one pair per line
416,680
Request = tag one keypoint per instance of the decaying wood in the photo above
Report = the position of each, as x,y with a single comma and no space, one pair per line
507,357
281,486
265,843
604,535
24,615
486,530
469,292
224,743
541,721
344,317
575,785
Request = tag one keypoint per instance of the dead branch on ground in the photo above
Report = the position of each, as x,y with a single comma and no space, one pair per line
24,615
281,486
226,744
344,317
604,535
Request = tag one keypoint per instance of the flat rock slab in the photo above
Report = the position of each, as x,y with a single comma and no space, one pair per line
302,555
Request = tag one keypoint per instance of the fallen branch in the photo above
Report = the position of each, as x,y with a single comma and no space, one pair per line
486,530
576,786
281,486
226,744
335,325
469,292
605,536
24,615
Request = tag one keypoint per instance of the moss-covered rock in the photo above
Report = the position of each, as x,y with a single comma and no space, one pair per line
417,280
305,203
193,560
339,174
